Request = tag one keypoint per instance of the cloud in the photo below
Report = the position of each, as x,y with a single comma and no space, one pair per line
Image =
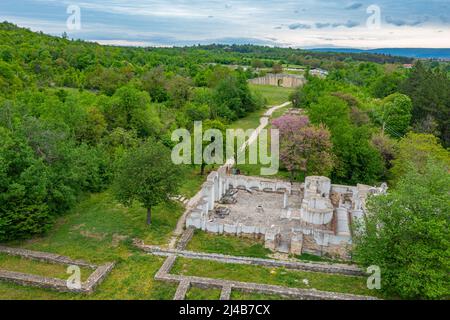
354,6
444,19
182,22
296,26
348,24
320,25
401,22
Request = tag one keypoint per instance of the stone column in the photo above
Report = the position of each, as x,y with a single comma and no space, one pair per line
342,222
211,197
285,200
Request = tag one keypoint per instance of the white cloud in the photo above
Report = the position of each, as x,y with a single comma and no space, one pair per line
307,23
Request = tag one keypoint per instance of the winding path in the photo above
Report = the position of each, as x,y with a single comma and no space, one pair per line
263,122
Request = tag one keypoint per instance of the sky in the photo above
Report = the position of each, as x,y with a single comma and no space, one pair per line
364,24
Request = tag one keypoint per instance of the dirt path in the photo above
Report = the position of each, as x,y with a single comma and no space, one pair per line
263,122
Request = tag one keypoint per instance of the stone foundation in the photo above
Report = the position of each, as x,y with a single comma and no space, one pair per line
314,217
96,277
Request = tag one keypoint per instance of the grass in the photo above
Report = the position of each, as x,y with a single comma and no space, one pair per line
251,121
274,95
274,276
229,245
45,269
195,293
192,182
240,295
99,230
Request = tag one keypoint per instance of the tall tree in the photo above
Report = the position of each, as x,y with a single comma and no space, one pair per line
304,148
396,114
406,234
429,91
146,174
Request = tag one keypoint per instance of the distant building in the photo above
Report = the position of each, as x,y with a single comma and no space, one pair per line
318,73
407,66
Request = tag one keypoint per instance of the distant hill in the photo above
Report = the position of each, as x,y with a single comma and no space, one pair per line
419,53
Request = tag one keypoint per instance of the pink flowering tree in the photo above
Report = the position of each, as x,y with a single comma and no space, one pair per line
304,148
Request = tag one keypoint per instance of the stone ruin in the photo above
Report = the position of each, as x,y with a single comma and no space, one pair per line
313,217
280,80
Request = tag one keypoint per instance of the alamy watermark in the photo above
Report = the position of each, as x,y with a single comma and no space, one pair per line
74,280
374,20
212,147
73,22
374,280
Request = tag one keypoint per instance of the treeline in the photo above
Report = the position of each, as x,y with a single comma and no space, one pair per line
369,107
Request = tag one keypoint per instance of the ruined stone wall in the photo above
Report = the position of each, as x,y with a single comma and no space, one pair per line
88,286
280,80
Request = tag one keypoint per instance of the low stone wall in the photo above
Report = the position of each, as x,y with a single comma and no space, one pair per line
45,257
294,265
185,282
25,279
185,238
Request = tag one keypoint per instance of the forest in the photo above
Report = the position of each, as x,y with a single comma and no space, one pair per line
74,114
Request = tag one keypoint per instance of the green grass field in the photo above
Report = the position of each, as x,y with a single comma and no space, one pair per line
45,269
195,293
230,245
99,230
239,295
274,95
274,276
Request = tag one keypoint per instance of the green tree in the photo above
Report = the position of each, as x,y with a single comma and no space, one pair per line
357,161
396,114
23,190
406,235
429,91
215,125
155,82
416,148
146,174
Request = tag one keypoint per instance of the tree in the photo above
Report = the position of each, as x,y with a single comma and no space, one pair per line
130,108
179,90
357,161
303,147
277,68
429,91
387,147
154,82
233,98
23,190
396,114
92,128
416,148
406,234
215,125
146,174
257,64
386,85
197,112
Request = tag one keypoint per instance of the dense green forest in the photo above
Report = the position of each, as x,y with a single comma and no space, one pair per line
72,113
